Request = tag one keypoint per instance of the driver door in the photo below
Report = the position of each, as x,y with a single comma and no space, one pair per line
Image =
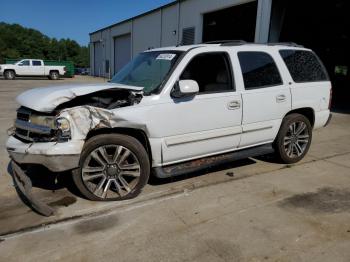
23,68
208,123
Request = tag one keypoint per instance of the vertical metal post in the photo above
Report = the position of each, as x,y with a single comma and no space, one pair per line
263,21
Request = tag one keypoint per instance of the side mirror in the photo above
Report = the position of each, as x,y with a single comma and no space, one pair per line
185,88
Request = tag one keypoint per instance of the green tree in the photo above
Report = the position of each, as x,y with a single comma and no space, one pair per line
17,42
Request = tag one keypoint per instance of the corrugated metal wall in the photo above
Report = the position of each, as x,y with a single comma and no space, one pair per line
122,51
163,27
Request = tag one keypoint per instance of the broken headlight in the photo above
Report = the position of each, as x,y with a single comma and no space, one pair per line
48,121
63,127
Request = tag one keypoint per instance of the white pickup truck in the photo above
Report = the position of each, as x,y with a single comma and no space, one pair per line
172,111
31,67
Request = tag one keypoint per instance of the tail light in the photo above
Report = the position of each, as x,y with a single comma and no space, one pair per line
330,98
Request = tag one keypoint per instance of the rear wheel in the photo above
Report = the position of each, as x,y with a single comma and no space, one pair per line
9,75
294,138
112,167
54,75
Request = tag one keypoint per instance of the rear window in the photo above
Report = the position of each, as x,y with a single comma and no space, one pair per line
259,70
304,66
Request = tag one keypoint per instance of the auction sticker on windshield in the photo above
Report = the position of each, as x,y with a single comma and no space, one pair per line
166,57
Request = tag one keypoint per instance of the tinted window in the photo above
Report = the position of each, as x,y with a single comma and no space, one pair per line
36,63
304,66
259,70
212,72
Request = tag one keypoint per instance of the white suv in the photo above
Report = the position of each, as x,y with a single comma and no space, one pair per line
171,111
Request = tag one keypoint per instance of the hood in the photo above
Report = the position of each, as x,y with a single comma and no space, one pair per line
46,99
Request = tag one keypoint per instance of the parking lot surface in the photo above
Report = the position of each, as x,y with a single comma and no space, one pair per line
249,210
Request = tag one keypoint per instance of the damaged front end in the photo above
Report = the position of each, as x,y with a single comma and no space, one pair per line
55,139
32,126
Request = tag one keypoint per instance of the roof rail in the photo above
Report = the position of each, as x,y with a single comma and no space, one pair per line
227,42
286,44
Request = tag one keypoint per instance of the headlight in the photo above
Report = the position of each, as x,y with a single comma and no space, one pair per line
48,121
63,127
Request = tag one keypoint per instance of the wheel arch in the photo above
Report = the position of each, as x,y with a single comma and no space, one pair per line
308,112
10,69
138,134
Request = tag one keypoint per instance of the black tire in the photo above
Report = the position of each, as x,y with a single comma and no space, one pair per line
54,75
109,142
9,75
291,148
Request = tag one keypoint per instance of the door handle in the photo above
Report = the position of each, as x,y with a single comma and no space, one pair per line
233,105
280,98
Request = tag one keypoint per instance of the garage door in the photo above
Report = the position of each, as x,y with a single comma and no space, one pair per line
98,66
122,51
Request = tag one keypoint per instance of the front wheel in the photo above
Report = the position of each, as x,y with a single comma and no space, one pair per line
112,167
294,138
9,75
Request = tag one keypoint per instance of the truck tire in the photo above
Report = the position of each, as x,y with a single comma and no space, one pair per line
9,75
112,167
294,139
54,75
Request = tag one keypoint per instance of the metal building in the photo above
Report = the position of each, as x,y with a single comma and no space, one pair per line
320,25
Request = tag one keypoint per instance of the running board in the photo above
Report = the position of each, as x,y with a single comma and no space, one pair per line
203,163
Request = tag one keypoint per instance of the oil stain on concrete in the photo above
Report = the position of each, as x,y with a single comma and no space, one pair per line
96,225
325,200
64,202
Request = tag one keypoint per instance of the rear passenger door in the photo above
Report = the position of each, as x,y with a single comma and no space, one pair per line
266,96
37,68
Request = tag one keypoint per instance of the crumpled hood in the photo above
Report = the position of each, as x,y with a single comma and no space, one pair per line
46,99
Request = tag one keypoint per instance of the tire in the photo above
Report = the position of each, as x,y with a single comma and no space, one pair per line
294,139
54,75
121,179
10,75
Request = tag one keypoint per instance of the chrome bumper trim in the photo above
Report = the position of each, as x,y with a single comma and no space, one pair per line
55,163
32,127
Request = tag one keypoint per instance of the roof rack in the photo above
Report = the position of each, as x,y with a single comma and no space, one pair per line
227,42
242,42
286,44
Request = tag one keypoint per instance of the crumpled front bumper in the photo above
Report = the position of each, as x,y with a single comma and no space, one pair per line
57,157
23,186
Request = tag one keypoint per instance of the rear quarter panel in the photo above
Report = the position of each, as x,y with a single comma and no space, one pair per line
315,95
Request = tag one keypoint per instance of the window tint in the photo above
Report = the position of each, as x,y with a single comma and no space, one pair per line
36,63
304,66
211,71
259,70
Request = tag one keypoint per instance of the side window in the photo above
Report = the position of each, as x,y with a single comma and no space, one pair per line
24,63
304,66
212,72
36,63
259,70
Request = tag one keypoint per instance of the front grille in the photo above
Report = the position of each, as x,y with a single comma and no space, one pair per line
28,132
23,116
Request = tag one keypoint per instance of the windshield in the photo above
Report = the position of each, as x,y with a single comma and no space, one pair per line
147,70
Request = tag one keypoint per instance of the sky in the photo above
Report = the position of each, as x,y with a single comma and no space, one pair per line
73,19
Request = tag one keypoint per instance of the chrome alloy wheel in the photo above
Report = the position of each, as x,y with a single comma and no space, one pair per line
111,171
296,140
